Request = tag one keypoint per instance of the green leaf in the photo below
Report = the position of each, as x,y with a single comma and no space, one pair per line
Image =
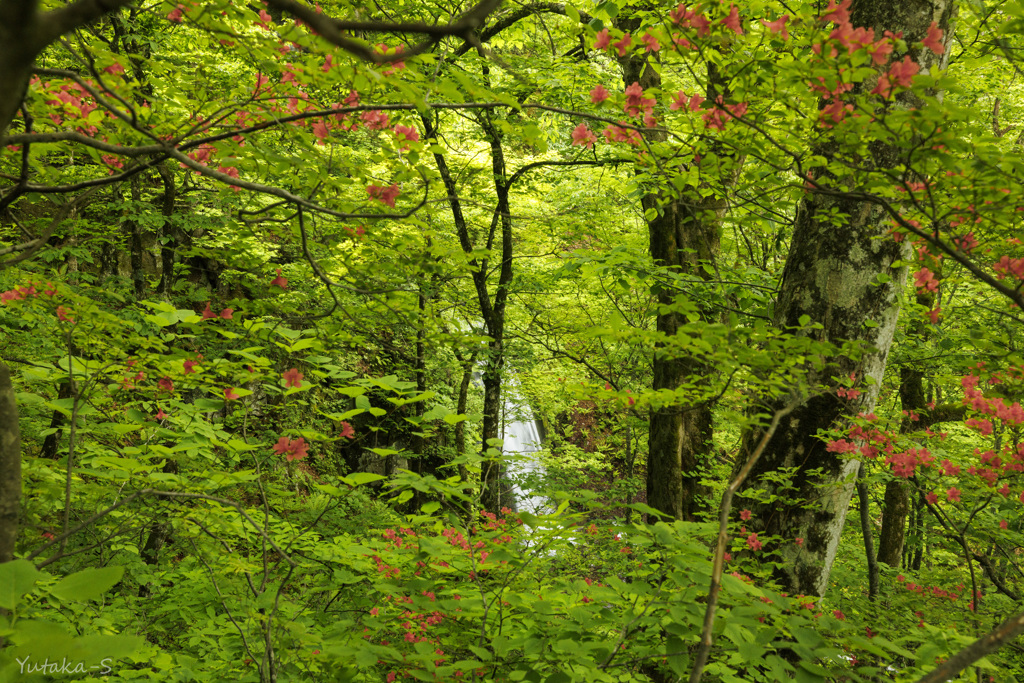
16,578
88,584
360,478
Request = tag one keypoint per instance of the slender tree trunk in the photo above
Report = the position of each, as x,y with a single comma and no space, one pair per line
10,467
134,228
49,450
492,311
169,245
865,526
684,234
832,275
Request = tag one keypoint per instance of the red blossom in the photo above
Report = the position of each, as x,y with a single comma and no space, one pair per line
932,497
753,543
953,495
166,384
778,26
385,195
732,21
208,312
291,450
582,135
346,431
636,102
623,45
602,40
840,13
375,120
651,42
62,315
934,39
280,280
321,130
407,133
681,101
598,95
745,515
292,378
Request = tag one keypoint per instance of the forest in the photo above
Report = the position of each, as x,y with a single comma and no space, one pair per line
419,340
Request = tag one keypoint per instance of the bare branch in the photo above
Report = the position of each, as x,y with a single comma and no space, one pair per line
1001,635
333,30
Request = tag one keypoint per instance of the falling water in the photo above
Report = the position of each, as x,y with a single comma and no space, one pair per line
522,440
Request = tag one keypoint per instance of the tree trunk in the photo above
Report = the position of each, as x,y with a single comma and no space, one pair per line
10,467
684,234
832,275
491,311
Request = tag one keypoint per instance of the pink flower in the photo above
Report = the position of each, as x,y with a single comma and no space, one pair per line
407,132
934,39
839,615
279,281
932,497
840,13
1002,522
292,378
745,515
175,14
623,45
753,543
265,20
346,431
227,313
902,72
375,120
582,135
924,279
732,21
166,384
799,541
208,313
953,495
1006,266
778,26
385,195
598,95
62,315
291,450
189,365
231,395
681,101
321,131
602,40
161,415
651,42
636,102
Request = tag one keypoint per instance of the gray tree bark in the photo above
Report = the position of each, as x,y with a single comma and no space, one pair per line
832,275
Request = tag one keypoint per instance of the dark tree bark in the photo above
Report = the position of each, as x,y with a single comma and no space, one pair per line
10,467
169,246
492,310
832,275
684,231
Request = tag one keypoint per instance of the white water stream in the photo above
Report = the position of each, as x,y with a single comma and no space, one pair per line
522,440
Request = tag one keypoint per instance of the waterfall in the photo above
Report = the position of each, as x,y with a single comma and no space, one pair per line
522,440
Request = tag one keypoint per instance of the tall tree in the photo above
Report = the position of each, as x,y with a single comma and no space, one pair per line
845,273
